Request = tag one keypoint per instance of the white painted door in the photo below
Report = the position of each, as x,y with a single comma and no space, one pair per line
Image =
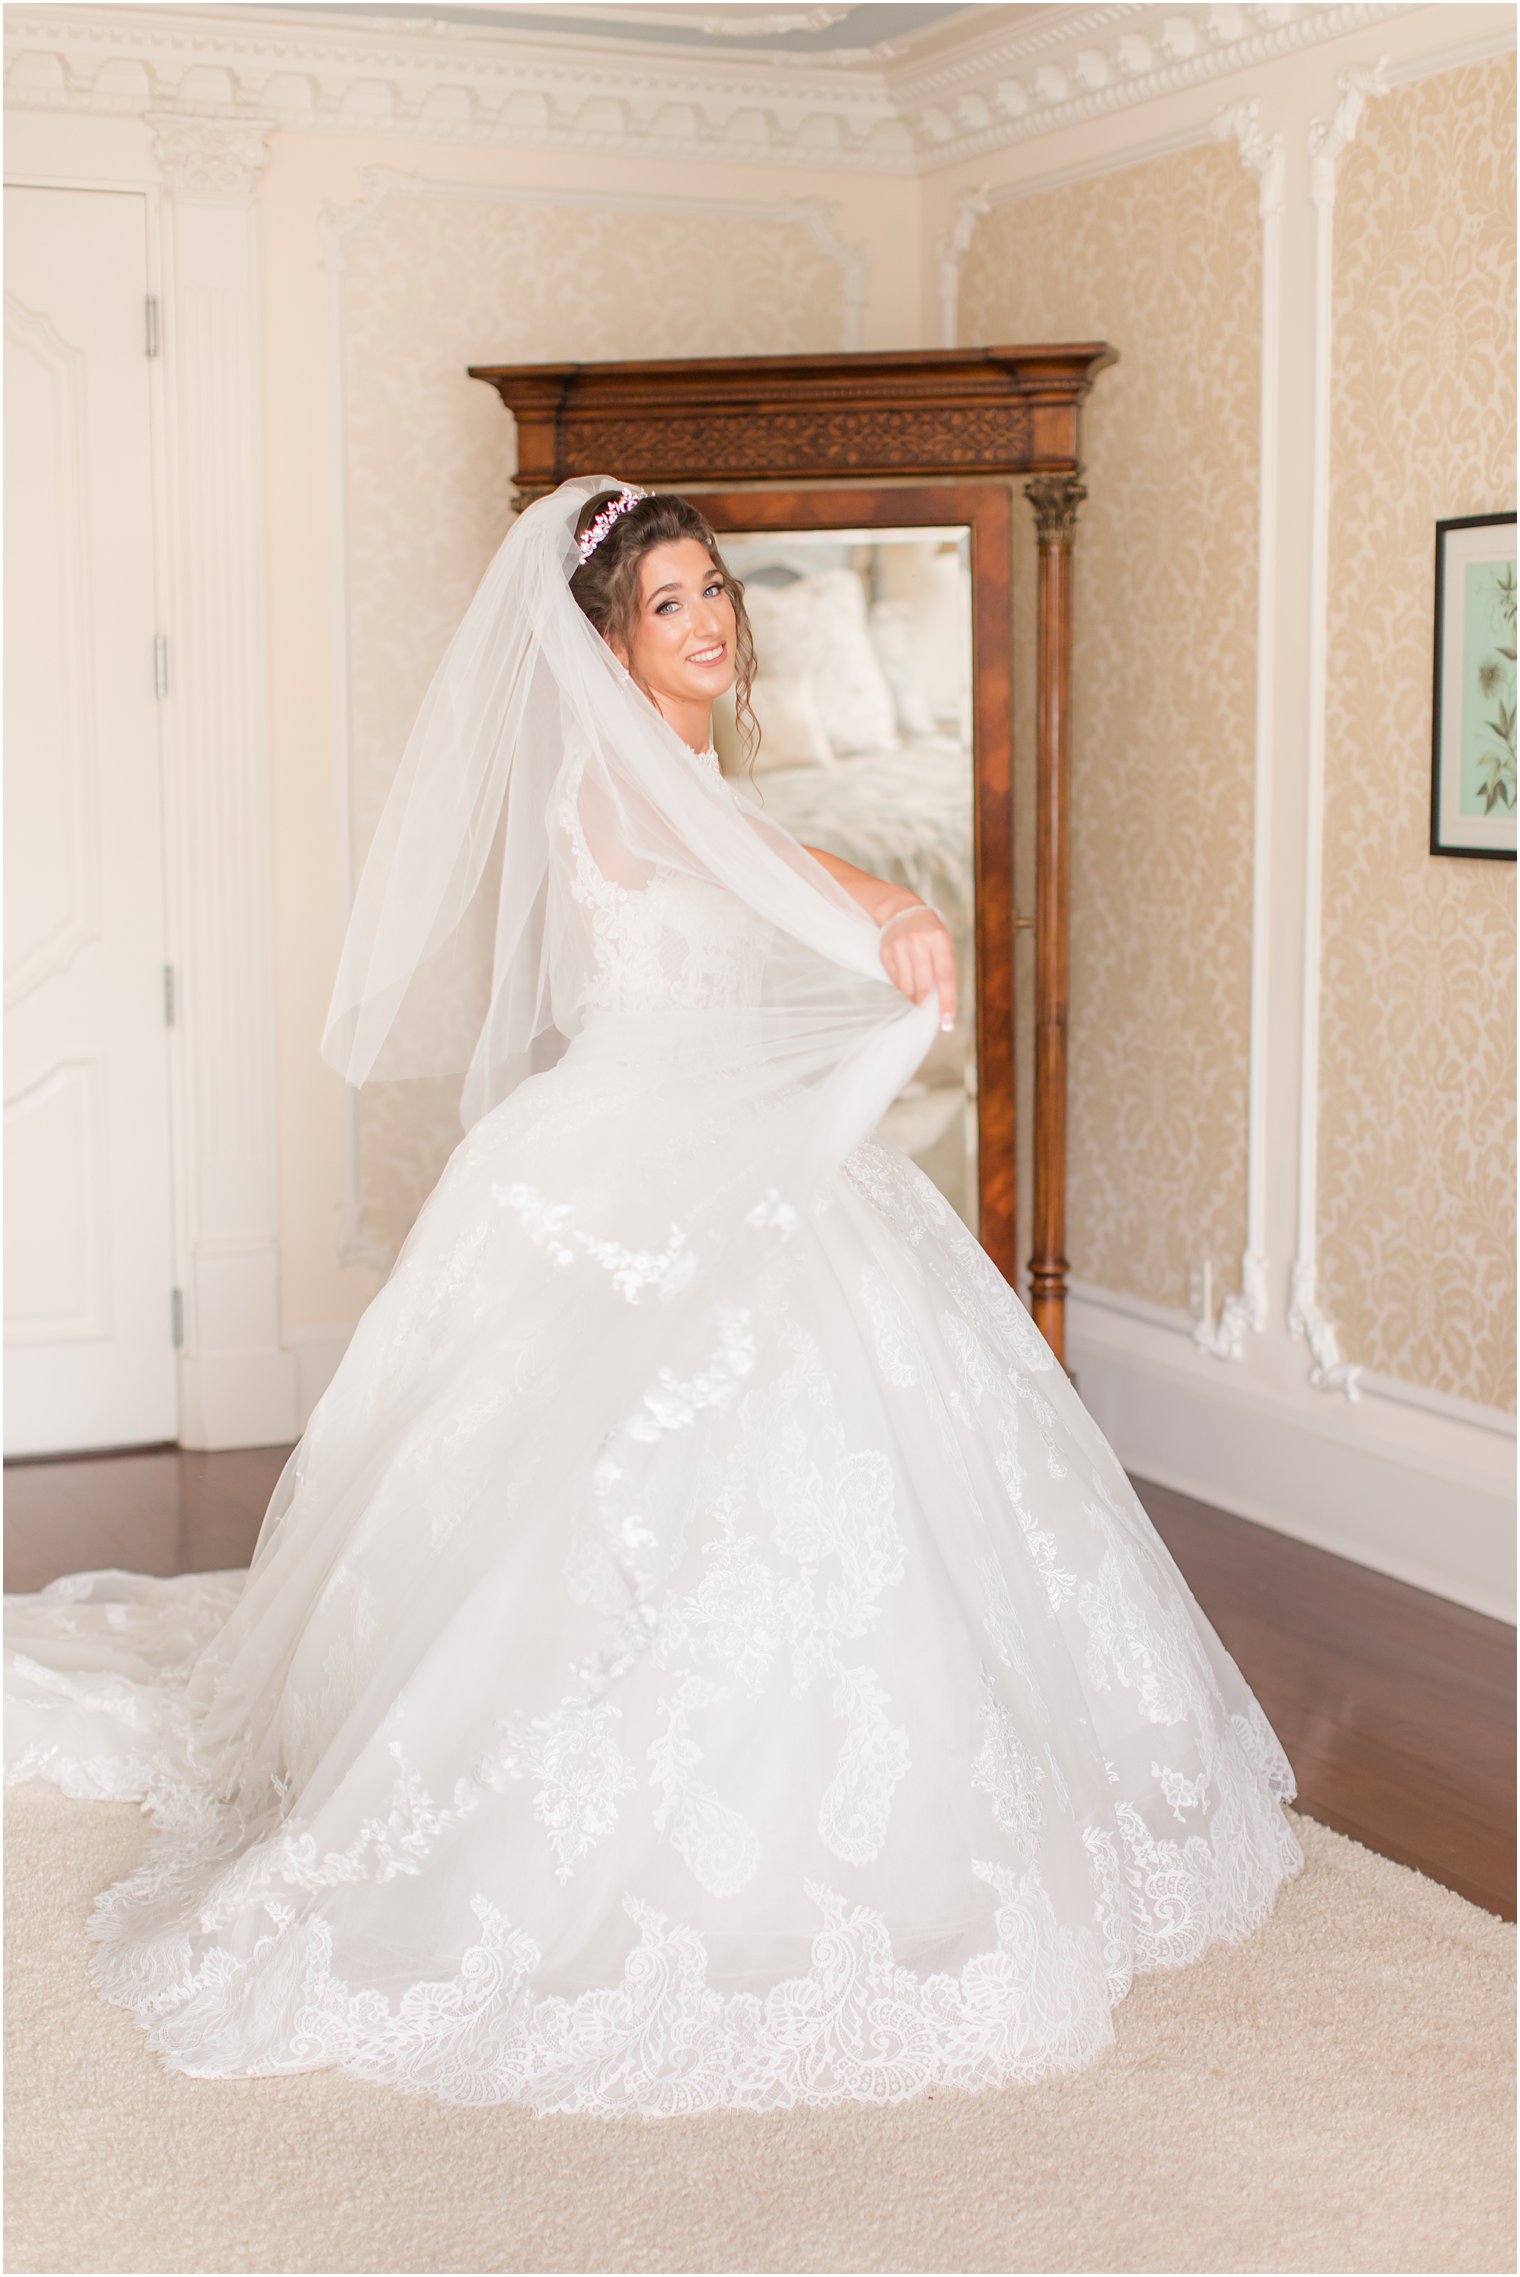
88,1241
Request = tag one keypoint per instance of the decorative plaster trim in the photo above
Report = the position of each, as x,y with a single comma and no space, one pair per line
953,248
209,158
446,82
1306,1319
1173,1321
1103,60
336,225
1309,1468
1246,1309
955,243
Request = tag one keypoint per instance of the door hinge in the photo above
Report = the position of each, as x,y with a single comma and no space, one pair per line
150,325
160,664
177,1317
169,996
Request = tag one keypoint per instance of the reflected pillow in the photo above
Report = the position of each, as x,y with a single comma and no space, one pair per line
815,629
792,733
892,631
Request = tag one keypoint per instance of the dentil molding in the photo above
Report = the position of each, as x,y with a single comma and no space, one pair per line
946,98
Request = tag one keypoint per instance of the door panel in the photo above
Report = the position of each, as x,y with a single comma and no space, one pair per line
89,1247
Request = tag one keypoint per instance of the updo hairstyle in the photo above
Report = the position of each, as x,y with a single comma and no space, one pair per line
607,586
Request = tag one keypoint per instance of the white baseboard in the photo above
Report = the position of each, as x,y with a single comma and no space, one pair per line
1426,1499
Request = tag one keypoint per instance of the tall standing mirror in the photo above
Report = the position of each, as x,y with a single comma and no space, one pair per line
873,529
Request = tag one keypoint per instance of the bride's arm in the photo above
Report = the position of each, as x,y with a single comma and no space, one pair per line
917,952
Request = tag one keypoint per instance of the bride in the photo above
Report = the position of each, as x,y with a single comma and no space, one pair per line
701,1653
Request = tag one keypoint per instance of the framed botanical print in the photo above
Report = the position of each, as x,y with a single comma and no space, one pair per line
1472,766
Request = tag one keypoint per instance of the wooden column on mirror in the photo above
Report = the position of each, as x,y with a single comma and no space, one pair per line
1055,499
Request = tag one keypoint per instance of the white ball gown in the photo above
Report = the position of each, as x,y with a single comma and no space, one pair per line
702,1653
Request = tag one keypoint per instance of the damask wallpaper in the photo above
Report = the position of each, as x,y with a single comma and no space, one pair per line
1417,1070
1163,261
431,281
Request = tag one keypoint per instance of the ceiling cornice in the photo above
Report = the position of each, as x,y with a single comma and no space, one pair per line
954,97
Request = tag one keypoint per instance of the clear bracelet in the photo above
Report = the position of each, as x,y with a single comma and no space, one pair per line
913,910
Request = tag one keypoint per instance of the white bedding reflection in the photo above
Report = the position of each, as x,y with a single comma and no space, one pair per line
862,693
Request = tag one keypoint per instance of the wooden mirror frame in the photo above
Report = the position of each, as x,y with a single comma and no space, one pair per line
969,417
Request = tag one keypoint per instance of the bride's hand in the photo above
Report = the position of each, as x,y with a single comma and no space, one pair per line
918,957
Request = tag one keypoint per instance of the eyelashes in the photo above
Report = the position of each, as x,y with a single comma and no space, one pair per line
717,586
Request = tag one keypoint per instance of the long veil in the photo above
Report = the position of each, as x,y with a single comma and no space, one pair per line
469,950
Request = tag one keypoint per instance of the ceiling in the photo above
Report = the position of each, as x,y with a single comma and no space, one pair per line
866,32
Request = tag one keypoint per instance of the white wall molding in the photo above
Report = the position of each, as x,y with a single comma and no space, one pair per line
1307,1320
1500,41
943,100
209,158
1245,1310
1006,89
237,1384
1307,1468
952,250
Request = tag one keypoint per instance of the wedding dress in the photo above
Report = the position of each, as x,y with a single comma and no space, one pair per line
701,1653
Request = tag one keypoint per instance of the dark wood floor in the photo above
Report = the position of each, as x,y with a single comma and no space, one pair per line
1396,1708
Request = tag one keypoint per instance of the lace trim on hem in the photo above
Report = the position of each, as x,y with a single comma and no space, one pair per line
858,2027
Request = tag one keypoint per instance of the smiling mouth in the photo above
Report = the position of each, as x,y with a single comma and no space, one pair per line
709,655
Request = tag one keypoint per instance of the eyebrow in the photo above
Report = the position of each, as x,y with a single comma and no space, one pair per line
673,584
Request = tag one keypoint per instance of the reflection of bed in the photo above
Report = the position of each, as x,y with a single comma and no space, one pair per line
905,814
862,695
902,814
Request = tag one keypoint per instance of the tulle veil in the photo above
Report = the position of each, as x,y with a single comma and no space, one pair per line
465,953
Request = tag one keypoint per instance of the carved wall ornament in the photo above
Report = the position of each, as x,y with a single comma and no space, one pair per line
210,158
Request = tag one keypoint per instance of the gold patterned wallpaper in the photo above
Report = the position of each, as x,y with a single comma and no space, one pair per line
1417,1071
1163,260
429,283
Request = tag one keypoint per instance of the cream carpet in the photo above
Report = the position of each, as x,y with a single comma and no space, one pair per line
1336,2094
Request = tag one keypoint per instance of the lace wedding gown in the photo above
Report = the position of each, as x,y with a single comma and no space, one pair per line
642,1702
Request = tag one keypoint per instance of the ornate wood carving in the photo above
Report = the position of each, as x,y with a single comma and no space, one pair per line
967,420
943,412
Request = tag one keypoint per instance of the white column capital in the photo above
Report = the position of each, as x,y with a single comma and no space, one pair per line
220,160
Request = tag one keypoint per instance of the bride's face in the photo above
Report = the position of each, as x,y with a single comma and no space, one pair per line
682,648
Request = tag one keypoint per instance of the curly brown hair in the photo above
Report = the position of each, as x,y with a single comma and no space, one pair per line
607,586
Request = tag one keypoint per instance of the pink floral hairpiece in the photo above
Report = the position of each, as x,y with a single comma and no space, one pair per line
592,536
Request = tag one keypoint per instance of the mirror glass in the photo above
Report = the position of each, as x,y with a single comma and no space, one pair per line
862,692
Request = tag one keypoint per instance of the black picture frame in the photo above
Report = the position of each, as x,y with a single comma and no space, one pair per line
1471,838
